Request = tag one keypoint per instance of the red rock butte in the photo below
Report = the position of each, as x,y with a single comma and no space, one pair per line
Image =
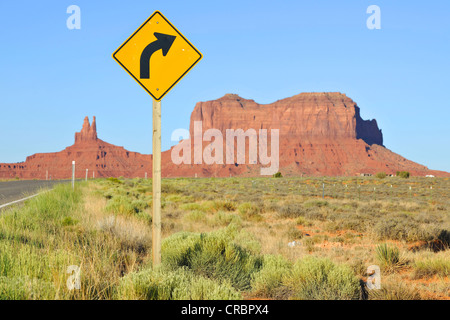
320,134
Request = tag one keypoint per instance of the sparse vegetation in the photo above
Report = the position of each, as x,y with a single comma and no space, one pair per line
402,174
179,284
231,238
277,175
389,257
381,175
320,279
433,264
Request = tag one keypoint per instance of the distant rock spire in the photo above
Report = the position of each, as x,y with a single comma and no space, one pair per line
94,129
88,132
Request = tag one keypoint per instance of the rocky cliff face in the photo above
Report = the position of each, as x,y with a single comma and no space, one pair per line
319,134
87,133
304,117
102,159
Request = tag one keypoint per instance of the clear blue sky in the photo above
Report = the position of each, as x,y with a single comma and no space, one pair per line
52,77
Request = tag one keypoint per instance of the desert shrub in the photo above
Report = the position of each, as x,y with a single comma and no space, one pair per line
291,210
248,210
222,218
179,284
433,264
395,290
69,221
25,288
308,243
315,214
302,221
389,256
144,189
381,175
320,279
213,255
268,281
293,233
115,180
168,188
126,205
191,206
224,205
401,228
402,174
196,216
316,203
355,222
272,206
27,269
140,205
108,194
277,175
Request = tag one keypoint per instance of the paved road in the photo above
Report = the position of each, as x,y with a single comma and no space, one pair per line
15,190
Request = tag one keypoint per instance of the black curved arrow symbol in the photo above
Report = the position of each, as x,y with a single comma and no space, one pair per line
163,43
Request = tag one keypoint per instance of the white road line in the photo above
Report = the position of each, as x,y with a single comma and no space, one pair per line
10,203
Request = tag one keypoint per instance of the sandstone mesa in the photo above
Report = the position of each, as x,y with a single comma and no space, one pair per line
320,134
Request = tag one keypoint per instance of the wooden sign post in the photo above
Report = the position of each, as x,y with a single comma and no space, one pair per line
156,220
157,56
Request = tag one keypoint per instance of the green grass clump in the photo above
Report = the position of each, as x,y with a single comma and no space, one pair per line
389,257
115,180
224,205
320,279
223,219
191,206
403,174
120,205
401,227
248,210
28,245
268,282
293,233
69,221
316,203
126,205
179,284
196,216
395,290
25,288
434,264
381,175
277,175
213,255
291,210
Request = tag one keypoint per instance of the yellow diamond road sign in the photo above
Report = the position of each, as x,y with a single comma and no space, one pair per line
157,55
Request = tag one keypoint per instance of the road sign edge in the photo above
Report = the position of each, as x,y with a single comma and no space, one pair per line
135,32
